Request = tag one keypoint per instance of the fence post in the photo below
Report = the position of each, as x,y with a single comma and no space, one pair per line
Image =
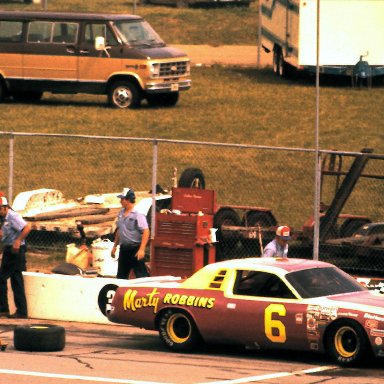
10,175
154,182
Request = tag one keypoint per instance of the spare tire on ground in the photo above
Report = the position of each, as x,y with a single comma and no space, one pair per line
39,337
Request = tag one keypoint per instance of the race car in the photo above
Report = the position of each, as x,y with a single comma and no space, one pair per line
261,303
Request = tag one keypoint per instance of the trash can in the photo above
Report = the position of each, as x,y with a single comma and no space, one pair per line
102,259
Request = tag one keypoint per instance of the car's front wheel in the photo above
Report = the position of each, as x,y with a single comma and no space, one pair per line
178,331
347,343
124,94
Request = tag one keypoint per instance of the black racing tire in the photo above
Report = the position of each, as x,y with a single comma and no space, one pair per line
224,247
39,338
123,95
347,344
178,331
163,99
192,178
3,90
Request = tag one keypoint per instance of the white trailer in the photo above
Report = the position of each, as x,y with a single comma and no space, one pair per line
351,36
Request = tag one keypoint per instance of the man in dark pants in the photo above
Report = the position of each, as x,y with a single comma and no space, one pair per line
132,235
13,232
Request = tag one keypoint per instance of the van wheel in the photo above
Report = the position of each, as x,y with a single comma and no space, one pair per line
2,90
163,99
124,94
27,96
39,337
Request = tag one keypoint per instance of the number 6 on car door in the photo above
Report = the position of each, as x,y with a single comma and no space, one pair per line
275,329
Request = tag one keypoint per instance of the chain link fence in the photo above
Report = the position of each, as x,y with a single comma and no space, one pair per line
257,188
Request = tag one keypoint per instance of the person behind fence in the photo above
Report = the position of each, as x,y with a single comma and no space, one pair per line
278,247
132,235
14,231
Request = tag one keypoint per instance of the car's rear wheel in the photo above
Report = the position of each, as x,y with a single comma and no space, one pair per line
347,343
178,331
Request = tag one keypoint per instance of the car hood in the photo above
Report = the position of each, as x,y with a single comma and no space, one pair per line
362,300
151,53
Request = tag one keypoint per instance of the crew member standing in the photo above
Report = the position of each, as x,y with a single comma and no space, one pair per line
279,246
132,234
14,230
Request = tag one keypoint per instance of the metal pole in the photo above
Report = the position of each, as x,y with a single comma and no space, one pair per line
259,37
316,215
10,176
154,182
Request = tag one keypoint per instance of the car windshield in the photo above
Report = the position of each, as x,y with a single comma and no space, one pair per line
138,33
327,281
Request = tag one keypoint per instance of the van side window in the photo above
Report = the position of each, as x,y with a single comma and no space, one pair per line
39,32
65,33
11,31
94,30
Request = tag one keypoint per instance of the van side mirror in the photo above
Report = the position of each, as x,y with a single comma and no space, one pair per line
100,45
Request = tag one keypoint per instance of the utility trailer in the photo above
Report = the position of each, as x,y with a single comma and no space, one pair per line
350,36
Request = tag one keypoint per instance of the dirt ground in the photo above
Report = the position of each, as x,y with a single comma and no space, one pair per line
245,55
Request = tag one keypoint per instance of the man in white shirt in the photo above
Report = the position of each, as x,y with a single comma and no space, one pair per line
279,246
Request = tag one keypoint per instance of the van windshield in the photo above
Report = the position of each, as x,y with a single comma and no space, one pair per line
138,33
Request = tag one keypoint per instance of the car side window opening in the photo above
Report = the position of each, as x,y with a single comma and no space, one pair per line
39,32
10,31
93,30
65,33
261,284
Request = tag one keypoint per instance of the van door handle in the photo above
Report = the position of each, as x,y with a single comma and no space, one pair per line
84,51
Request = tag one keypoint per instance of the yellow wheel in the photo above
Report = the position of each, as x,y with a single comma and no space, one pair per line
347,343
178,331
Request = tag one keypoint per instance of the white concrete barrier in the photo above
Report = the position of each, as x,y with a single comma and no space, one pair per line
76,298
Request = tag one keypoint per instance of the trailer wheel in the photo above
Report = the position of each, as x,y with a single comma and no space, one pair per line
347,344
192,178
178,331
225,245
253,219
39,337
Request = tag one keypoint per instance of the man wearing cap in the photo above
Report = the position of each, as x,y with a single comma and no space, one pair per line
13,232
132,234
279,246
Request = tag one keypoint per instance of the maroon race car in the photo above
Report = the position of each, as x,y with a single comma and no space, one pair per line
263,303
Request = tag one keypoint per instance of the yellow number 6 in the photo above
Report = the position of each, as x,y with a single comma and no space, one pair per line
275,329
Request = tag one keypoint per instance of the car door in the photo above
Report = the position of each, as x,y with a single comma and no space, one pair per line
11,49
261,311
95,67
50,57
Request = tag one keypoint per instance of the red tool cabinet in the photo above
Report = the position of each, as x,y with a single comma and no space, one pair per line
182,242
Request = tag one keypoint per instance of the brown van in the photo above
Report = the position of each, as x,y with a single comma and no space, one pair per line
114,54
